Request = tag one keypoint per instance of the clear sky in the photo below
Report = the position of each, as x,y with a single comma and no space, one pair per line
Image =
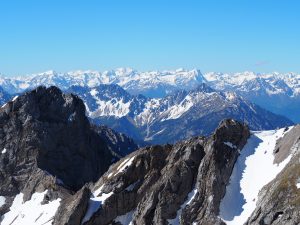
224,35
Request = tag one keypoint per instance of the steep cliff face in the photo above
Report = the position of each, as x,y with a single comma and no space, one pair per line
165,184
118,143
47,144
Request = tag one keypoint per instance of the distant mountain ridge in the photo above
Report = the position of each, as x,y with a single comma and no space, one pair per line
175,117
278,93
153,83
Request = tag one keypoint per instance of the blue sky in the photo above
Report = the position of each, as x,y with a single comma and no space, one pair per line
228,36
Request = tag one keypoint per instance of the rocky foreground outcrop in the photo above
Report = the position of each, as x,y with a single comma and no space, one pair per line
47,143
55,168
155,184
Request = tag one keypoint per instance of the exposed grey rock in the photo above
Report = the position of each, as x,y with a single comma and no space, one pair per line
118,143
163,176
73,208
47,143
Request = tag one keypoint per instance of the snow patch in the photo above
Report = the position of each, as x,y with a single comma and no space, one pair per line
191,196
115,107
2,200
4,151
95,203
125,219
297,185
93,92
132,186
177,111
230,144
15,98
124,165
32,211
253,169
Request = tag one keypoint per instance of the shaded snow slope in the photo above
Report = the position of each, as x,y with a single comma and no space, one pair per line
253,169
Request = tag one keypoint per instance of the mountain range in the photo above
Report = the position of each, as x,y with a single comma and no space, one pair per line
278,93
56,168
177,116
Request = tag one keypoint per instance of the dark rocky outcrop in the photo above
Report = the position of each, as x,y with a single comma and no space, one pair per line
47,142
73,208
118,143
159,179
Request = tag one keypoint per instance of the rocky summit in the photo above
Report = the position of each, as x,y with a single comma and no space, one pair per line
47,143
56,168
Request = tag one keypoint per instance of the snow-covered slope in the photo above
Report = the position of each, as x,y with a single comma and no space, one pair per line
195,112
35,211
253,169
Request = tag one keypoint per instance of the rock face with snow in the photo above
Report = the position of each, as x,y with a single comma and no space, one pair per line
55,168
165,184
48,150
279,201
228,178
279,93
181,115
263,185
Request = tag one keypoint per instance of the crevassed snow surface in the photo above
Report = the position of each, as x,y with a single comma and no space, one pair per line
2,200
125,219
191,196
32,211
254,169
